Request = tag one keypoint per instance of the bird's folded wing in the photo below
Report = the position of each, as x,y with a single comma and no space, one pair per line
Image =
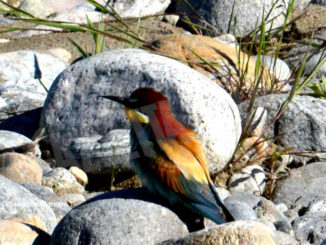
191,180
193,144
184,160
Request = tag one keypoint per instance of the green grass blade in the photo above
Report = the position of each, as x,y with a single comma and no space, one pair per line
79,48
11,29
17,10
99,38
98,6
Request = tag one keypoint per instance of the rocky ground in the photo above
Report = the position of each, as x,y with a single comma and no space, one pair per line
65,176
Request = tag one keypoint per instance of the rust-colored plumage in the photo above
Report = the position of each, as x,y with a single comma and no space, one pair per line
170,160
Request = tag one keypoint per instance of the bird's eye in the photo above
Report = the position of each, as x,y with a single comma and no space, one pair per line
134,100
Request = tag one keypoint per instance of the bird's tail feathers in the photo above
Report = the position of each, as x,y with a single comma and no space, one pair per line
228,216
209,212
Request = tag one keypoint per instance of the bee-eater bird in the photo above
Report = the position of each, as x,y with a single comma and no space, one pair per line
168,158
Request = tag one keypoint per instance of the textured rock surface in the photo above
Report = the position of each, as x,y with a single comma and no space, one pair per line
240,210
248,198
301,125
267,211
73,108
251,179
79,174
56,203
76,15
110,152
62,5
118,218
18,88
76,11
238,232
73,199
311,228
314,61
138,8
17,203
12,232
278,68
312,20
305,185
37,8
301,4
247,13
62,181
9,139
20,168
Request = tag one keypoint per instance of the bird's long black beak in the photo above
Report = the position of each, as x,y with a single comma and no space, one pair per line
121,100
132,114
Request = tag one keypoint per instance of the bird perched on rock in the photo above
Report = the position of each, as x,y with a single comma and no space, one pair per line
168,158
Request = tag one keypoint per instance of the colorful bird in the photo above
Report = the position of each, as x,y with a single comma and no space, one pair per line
168,158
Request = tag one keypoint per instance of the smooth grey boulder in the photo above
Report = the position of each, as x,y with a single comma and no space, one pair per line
296,55
251,179
240,210
19,90
9,139
317,206
302,124
18,203
277,67
237,232
250,199
247,206
37,8
76,11
311,228
247,13
139,8
46,7
122,217
62,181
313,61
111,152
74,108
304,186
56,203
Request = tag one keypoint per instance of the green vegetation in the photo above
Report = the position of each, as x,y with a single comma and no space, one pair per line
319,89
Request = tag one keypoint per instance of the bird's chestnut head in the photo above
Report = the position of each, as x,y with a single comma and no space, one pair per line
143,104
145,96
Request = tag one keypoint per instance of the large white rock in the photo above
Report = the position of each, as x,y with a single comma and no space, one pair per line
76,11
18,89
129,217
246,12
278,67
10,139
37,8
17,203
73,108
139,8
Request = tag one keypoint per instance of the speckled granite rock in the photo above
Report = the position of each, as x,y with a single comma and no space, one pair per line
74,106
17,203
